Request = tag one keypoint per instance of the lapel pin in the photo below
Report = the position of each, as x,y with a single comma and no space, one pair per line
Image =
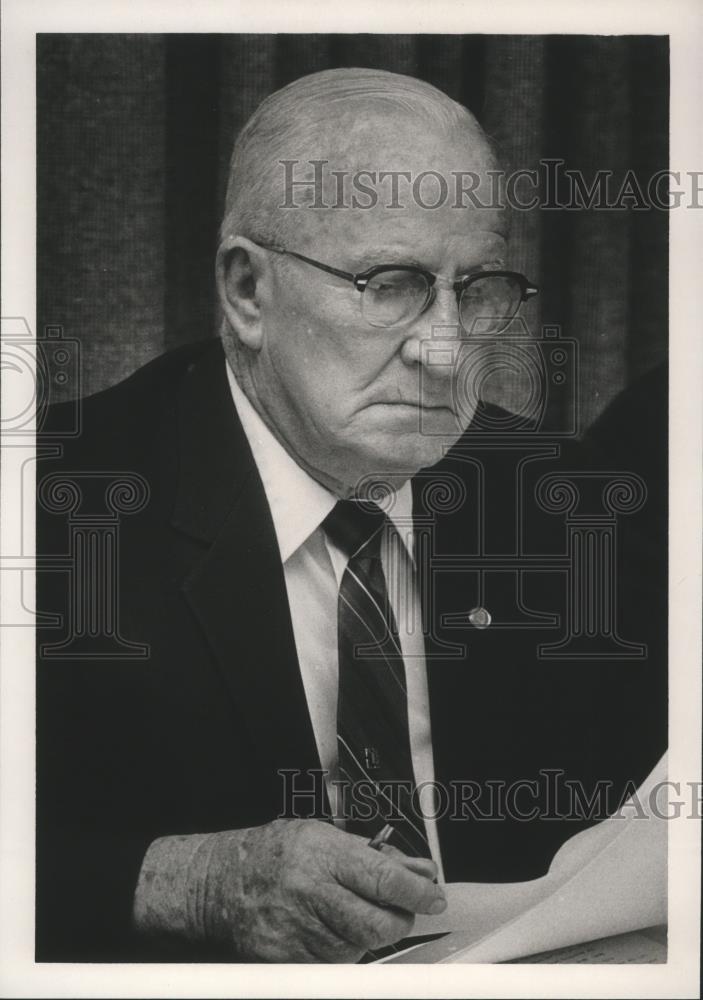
480,617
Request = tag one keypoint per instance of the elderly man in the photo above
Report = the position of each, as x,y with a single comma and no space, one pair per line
302,685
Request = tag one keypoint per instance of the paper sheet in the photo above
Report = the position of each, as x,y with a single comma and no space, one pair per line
604,881
633,948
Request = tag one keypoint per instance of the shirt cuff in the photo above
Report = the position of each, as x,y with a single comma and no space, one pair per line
168,879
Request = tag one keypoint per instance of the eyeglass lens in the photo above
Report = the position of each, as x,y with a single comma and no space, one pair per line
487,304
394,296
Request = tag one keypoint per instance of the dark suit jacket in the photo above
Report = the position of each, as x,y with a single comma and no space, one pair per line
191,737
633,433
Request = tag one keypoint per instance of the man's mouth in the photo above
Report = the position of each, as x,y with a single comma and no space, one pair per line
414,403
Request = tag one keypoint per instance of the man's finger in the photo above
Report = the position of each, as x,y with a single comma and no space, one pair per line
421,866
382,879
358,922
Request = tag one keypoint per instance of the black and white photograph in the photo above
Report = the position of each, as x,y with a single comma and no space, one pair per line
351,504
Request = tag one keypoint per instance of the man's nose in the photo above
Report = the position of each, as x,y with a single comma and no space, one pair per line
434,338
443,309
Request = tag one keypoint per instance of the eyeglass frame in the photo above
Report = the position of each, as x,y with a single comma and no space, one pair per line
360,280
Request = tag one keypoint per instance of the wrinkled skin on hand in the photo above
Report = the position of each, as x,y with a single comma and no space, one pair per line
305,891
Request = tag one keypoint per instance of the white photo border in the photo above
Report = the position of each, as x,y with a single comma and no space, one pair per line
683,22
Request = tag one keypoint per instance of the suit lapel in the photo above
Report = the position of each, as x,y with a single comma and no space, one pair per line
237,588
442,593
454,529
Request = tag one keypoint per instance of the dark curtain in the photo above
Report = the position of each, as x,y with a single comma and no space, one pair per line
134,137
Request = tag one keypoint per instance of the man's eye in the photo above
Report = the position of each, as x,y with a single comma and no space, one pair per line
390,282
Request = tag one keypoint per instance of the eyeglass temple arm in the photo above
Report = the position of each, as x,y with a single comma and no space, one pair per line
308,260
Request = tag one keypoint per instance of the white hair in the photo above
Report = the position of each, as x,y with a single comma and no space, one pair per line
296,117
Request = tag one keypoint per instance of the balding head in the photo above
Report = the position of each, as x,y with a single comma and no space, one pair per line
348,392
355,119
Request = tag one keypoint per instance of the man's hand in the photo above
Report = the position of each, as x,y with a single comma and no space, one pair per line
296,891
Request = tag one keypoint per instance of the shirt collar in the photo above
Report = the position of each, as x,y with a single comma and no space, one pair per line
298,503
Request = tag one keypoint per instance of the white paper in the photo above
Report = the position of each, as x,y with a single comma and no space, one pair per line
607,880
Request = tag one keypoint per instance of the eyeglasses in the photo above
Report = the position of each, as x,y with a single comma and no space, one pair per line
393,294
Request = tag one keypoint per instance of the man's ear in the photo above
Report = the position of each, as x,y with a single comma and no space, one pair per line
240,267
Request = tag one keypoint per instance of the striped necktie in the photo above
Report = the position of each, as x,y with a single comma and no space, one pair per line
373,742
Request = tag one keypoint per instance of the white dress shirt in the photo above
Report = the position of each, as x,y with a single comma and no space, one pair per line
313,568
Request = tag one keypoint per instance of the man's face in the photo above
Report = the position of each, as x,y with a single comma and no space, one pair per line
349,400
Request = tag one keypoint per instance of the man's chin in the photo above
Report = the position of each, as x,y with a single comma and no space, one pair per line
404,456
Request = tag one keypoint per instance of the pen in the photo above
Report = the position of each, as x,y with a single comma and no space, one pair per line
381,838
